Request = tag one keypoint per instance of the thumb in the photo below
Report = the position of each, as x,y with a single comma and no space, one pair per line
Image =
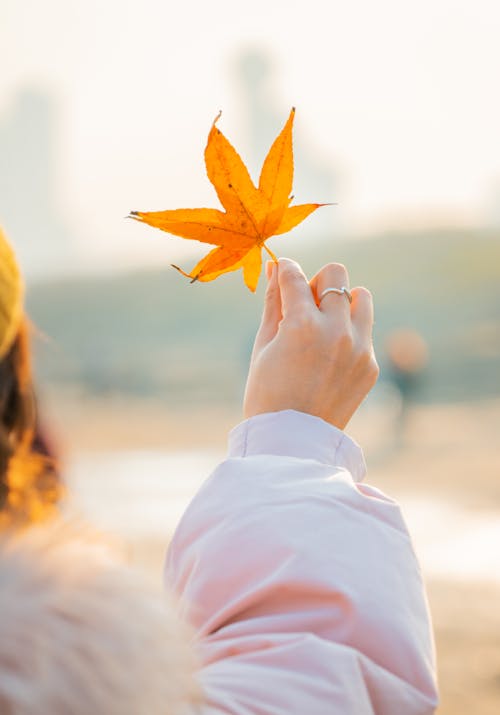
271,314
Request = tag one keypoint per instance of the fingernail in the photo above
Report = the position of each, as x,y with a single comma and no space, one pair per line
282,262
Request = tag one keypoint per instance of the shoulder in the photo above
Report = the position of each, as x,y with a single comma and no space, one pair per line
76,622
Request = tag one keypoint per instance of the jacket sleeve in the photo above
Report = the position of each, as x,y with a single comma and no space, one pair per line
301,582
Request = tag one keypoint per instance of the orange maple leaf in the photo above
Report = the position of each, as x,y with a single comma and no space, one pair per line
252,214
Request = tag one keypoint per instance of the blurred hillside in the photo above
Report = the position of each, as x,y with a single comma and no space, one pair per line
152,333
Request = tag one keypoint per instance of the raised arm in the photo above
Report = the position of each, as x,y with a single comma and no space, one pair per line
302,583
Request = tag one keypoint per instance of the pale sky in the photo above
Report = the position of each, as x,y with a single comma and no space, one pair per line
400,97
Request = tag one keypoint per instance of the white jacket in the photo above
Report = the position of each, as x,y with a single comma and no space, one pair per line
301,582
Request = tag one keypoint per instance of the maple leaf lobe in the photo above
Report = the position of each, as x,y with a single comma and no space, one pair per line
251,215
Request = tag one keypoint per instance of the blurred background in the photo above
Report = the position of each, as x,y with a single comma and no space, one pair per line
105,107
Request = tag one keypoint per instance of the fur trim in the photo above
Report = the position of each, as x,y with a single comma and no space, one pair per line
81,633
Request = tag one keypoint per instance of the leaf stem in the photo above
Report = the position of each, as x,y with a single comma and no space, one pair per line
270,253
181,271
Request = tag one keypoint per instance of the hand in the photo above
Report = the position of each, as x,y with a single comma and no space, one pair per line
312,358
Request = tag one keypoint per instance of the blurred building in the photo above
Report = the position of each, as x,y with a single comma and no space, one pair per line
28,176
314,177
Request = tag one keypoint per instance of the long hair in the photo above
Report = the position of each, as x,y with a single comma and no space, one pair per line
29,481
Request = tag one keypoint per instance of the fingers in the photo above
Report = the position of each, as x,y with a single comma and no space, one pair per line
296,295
335,306
362,313
288,293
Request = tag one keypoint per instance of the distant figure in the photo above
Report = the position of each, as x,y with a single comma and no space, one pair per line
407,354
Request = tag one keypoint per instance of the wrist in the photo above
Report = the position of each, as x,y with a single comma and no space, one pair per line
337,414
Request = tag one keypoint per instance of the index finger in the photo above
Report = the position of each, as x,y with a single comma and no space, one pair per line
296,294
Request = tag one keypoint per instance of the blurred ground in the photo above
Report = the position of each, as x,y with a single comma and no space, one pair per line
448,455
451,453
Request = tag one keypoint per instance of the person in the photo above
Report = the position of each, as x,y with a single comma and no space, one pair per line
80,631
407,356
301,581
295,586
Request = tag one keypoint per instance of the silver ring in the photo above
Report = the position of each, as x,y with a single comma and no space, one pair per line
339,291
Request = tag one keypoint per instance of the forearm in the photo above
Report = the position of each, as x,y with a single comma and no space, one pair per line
283,547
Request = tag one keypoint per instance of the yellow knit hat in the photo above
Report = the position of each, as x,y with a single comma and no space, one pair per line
11,295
